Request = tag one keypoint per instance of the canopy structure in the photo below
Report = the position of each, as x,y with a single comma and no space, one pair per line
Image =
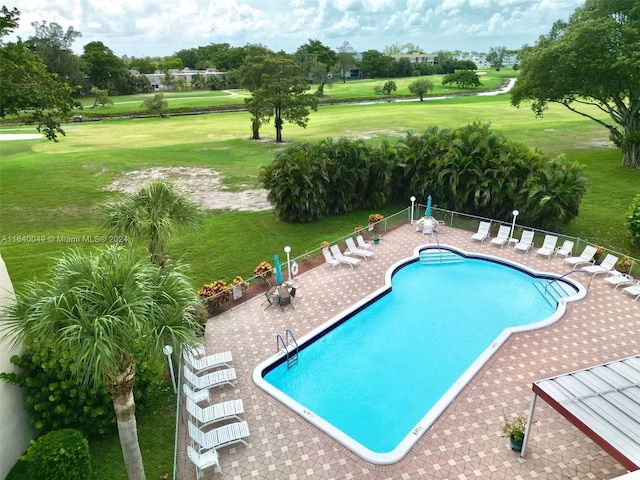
603,402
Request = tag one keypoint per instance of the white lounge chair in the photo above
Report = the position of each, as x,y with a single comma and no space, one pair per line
203,460
353,250
565,250
219,437
207,362
337,254
618,279
548,246
427,227
212,379
634,290
526,241
362,243
585,257
329,258
502,237
605,267
197,396
483,232
214,413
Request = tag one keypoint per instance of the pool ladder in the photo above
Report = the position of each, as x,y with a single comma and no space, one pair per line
289,346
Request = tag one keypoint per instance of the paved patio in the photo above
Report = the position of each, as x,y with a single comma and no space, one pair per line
464,442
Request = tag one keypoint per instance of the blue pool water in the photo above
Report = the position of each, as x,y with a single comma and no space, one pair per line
377,375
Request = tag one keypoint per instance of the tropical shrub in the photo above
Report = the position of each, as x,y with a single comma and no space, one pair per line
471,169
215,294
263,270
59,454
55,399
388,87
633,219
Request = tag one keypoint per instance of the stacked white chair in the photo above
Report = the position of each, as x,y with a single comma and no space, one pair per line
201,372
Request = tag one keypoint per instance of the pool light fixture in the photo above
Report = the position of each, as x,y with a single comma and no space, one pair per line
287,250
413,200
515,213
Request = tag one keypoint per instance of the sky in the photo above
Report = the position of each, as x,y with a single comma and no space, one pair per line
151,28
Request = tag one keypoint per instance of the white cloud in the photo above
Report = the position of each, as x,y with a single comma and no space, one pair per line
161,27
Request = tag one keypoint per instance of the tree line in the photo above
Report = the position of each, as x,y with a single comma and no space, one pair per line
589,61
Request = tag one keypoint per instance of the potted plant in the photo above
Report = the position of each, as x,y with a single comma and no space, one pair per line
514,430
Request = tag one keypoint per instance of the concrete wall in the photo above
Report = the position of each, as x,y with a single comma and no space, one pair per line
15,431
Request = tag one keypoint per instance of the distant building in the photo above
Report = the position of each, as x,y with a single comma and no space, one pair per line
430,58
188,74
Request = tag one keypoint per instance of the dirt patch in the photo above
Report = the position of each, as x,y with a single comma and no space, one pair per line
201,185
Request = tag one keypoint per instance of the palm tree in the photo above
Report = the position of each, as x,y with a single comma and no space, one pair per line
104,309
156,211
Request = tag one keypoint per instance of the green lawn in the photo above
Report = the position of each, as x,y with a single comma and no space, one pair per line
52,191
65,180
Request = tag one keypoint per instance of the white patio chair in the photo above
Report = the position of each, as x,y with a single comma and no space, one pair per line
360,252
212,379
548,246
502,237
483,232
219,437
203,460
214,413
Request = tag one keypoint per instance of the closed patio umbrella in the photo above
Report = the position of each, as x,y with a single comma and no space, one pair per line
427,213
277,269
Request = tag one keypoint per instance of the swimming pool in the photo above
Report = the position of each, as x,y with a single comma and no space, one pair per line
378,375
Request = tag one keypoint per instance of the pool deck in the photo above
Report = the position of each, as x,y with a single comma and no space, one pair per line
464,442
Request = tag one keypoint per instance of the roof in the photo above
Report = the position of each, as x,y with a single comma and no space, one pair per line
604,403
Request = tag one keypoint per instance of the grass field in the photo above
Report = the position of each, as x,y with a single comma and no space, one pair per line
53,191
65,180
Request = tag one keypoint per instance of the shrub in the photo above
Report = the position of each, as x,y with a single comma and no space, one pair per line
56,400
388,87
374,221
633,219
264,270
59,454
215,294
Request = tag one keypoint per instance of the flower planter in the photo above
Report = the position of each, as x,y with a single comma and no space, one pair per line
516,445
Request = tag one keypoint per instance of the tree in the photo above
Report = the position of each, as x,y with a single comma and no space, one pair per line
388,87
420,87
103,67
317,62
278,90
102,97
463,78
154,212
25,85
591,66
157,104
375,64
54,46
105,309
495,57
346,59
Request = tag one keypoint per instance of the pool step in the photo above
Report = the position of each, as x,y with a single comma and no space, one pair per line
551,291
435,256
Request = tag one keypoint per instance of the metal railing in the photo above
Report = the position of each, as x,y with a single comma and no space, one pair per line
463,221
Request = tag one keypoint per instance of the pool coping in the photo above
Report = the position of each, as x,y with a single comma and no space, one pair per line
405,446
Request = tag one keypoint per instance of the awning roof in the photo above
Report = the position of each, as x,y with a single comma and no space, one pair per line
603,402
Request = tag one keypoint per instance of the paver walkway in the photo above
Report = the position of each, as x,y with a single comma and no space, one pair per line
464,442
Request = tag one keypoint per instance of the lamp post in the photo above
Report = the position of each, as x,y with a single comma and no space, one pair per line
168,350
287,250
413,200
513,225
